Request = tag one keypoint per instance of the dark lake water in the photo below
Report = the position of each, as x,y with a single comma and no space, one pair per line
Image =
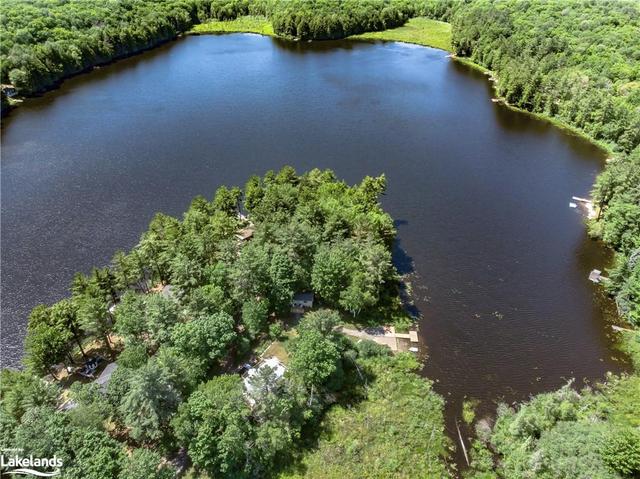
480,193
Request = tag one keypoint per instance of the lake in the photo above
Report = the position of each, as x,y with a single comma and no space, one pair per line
497,260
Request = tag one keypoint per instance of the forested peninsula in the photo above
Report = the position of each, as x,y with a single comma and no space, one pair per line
182,316
575,62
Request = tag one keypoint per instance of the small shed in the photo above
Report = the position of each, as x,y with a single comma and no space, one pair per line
302,301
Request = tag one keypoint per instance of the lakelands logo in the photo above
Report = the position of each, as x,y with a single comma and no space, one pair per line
36,466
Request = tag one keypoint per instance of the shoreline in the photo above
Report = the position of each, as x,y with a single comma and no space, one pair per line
15,102
466,61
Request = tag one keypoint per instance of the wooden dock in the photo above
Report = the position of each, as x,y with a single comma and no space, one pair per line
386,336
596,276
411,335
618,329
588,205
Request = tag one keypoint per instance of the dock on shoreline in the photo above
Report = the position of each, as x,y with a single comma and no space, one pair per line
385,335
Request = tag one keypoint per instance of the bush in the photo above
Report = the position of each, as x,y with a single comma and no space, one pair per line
369,349
133,356
622,452
275,330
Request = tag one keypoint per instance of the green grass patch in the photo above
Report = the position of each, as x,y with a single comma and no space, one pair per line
395,432
278,350
247,24
419,30
630,344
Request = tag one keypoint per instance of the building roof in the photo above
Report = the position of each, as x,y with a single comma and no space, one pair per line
245,233
104,377
595,275
303,297
273,362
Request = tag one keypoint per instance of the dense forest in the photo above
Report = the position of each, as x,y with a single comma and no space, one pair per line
44,41
592,433
578,61
229,281
617,192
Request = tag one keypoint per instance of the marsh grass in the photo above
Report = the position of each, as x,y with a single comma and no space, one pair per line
419,30
247,24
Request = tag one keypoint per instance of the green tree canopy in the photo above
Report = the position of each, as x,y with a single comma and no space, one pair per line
205,338
146,464
47,341
149,403
255,313
214,425
315,352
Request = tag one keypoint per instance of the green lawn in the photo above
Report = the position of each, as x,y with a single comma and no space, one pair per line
248,24
420,30
278,350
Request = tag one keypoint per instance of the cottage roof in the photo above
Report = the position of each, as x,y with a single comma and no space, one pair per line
273,362
303,297
245,233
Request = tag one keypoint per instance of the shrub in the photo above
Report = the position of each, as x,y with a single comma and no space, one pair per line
622,452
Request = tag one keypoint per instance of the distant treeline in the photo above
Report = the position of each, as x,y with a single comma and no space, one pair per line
331,19
44,41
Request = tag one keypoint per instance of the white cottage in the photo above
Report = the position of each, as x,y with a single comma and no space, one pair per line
276,366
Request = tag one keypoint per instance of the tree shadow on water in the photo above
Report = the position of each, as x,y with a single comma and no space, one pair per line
401,259
405,265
